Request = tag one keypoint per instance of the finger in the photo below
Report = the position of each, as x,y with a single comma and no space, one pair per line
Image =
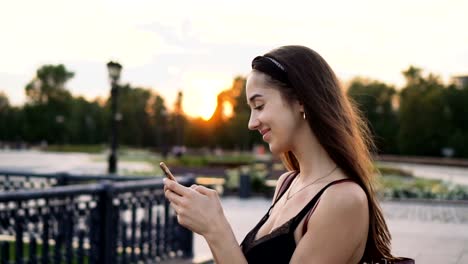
176,187
194,186
176,208
203,190
173,197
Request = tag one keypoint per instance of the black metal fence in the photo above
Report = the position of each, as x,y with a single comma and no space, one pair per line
44,219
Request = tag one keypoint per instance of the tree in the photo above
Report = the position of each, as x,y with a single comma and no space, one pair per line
48,110
413,76
179,121
160,124
4,114
375,101
87,123
49,83
237,125
457,111
424,119
134,109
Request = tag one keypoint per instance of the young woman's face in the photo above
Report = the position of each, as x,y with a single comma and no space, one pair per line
273,116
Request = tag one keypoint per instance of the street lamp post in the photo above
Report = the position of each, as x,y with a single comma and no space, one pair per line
114,69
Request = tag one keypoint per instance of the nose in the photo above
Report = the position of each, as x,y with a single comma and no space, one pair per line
253,122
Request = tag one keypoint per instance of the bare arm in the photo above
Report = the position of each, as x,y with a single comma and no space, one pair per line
219,244
337,228
225,248
199,209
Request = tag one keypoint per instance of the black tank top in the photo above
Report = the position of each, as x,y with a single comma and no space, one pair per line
279,245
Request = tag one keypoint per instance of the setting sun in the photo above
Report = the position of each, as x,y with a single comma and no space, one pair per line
201,91
228,109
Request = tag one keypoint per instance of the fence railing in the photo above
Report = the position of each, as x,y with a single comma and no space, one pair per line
112,221
13,180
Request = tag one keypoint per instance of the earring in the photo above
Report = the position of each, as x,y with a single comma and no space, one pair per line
303,115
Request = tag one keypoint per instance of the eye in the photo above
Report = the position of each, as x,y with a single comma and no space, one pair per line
260,107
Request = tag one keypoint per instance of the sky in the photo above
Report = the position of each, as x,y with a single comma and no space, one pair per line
198,47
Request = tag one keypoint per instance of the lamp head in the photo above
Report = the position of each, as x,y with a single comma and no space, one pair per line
114,69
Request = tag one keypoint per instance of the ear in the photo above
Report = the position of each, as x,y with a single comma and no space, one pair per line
300,105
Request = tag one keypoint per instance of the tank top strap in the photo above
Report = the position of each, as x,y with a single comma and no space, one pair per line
282,189
285,185
308,209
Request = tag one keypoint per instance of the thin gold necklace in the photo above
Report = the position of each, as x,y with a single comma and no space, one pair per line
326,175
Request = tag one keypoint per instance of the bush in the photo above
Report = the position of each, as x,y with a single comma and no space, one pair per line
403,188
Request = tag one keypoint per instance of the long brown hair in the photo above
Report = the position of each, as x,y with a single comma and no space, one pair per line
339,128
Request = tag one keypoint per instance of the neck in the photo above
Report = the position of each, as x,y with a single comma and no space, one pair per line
314,161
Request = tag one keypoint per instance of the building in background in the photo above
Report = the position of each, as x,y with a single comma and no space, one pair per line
461,81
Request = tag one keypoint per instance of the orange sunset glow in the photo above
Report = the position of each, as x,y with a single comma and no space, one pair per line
200,94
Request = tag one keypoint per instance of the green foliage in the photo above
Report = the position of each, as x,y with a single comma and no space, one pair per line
4,115
135,124
159,121
393,171
54,116
198,134
13,258
258,181
49,106
49,84
242,138
87,123
4,102
232,179
457,112
423,118
212,160
403,187
192,161
400,184
375,100
392,184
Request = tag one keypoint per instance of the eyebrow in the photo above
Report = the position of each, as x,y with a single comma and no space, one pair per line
255,96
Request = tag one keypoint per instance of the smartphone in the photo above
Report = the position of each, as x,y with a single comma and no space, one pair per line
166,171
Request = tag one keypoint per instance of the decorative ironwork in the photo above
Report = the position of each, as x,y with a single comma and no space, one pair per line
107,222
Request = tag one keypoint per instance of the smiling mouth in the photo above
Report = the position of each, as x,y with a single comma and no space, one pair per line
263,132
266,134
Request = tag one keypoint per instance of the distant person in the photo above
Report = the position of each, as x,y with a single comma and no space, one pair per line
325,209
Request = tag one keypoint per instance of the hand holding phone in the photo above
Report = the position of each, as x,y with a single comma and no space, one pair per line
166,171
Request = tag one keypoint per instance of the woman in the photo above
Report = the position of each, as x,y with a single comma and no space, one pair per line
325,209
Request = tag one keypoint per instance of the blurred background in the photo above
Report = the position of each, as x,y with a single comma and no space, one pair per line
96,87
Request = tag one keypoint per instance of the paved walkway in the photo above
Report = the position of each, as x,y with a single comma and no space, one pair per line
458,175
429,233
75,163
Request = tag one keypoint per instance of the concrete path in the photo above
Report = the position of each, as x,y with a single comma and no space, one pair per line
458,175
429,233
75,163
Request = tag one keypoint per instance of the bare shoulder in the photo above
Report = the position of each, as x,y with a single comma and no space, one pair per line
282,178
346,195
338,227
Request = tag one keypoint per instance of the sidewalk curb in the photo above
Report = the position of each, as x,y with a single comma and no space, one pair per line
428,201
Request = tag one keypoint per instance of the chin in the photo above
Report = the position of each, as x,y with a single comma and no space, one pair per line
275,149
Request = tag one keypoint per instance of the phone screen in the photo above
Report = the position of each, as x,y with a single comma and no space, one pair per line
166,171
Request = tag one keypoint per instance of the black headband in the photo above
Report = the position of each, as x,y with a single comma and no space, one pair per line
271,67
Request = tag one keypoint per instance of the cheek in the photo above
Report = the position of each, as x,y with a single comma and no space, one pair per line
285,128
